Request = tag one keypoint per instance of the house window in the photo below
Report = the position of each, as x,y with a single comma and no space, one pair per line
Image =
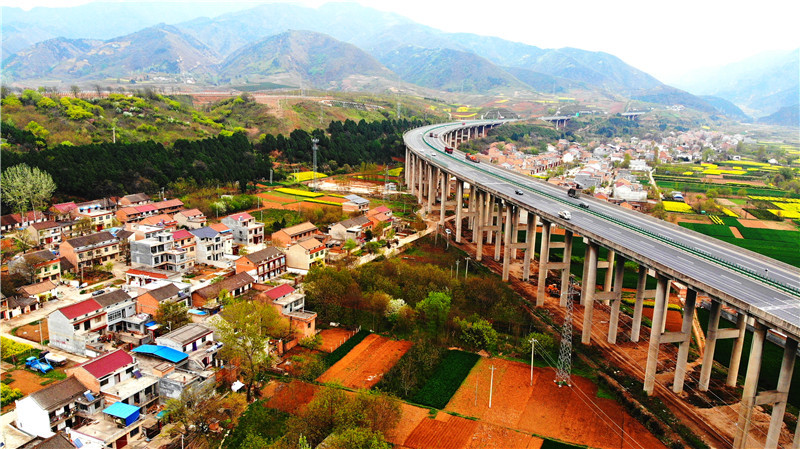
104,382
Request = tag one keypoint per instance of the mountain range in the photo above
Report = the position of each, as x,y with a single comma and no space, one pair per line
340,46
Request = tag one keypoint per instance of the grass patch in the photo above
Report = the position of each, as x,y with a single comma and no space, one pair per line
553,444
712,230
342,350
446,379
267,423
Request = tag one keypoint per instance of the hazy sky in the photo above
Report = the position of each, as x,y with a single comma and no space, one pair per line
664,39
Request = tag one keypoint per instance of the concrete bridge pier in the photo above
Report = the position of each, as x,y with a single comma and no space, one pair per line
565,273
713,334
508,239
530,243
616,300
460,208
587,290
477,234
472,206
498,229
685,340
749,393
432,175
641,284
444,196
659,310
544,260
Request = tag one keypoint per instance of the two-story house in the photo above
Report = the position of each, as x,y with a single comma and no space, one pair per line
355,203
169,207
160,252
60,405
196,340
117,377
227,237
46,234
235,285
186,241
246,230
162,221
190,219
89,250
287,236
37,266
304,254
263,265
156,293
73,327
291,304
20,221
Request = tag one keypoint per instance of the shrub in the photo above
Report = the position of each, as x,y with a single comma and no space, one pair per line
313,342
8,394
446,379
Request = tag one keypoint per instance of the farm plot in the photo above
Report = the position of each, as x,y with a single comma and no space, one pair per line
574,414
333,338
454,432
365,365
289,397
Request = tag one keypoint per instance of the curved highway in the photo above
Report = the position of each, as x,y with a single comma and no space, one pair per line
758,285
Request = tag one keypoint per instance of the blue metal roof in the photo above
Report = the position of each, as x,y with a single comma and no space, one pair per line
121,410
204,232
168,354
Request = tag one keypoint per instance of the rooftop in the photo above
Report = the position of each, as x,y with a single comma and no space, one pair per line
164,292
187,334
112,297
231,283
107,363
39,287
58,394
279,291
81,308
299,229
267,253
92,239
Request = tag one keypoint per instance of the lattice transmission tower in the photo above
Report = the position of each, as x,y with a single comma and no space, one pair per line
564,372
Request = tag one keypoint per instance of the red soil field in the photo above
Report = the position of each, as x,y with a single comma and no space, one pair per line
365,365
489,436
455,433
291,397
334,199
411,417
574,414
333,338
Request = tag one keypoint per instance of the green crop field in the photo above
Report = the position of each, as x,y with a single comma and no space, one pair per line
709,229
445,381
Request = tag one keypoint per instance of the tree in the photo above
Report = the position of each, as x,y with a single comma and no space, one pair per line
173,314
434,310
83,226
357,438
245,332
626,161
23,186
349,245
477,333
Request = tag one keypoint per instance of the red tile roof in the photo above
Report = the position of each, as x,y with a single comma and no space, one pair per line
81,308
219,227
143,208
107,363
182,234
279,291
169,203
65,207
241,216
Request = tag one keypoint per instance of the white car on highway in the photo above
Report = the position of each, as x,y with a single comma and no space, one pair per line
564,214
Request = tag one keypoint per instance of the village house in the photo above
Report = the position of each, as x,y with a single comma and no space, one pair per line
291,304
134,199
169,207
355,203
90,250
196,340
37,266
208,296
56,407
162,221
45,233
11,222
117,377
156,293
292,234
352,228
99,218
381,217
210,247
190,219
42,291
77,328
138,277
227,237
17,305
160,252
246,230
262,265
304,254
186,241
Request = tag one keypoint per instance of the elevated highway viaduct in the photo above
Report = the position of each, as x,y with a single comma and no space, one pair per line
494,204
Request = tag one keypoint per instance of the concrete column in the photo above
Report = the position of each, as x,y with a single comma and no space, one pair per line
431,188
613,321
445,187
498,231
641,284
666,311
420,170
530,241
588,287
711,344
741,436
565,273
655,335
477,232
459,207
544,259
683,348
488,218
585,271
609,271
473,206
784,382
507,240
405,172
736,353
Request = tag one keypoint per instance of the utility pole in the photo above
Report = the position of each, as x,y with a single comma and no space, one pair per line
491,385
533,345
270,176
457,261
